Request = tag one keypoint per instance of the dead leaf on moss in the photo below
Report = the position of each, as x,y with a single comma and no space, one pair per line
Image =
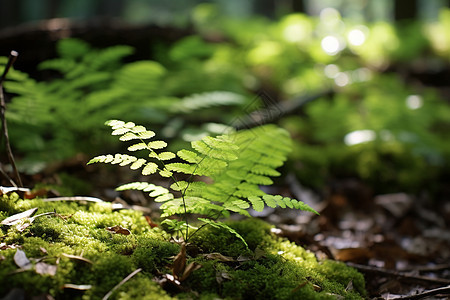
189,269
221,276
4,246
22,261
349,286
118,230
218,256
45,269
15,219
259,253
76,257
79,287
179,262
35,193
150,222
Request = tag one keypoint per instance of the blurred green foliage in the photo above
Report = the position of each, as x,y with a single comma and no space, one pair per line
380,123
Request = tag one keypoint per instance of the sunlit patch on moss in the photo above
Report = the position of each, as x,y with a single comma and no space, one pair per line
76,241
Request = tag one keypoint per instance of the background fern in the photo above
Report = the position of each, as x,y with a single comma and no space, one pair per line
60,117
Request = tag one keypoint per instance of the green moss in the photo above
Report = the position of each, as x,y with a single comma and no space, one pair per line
151,253
141,287
272,268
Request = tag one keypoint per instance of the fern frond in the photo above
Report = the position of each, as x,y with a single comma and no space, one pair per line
110,56
72,48
215,148
192,205
142,79
221,225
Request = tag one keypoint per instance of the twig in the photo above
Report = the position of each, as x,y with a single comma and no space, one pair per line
399,275
273,111
120,283
441,290
12,58
434,268
7,176
76,198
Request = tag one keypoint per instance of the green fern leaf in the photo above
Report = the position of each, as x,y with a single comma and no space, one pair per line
165,173
207,150
182,168
258,179
164,197
257,203
99,159
179,185
129,136
137,164
138,146
141,186
158,191
120,131
166,156
149,168
270,201
282,202
189,156
144,135
157,145
127,160
138,129
115,124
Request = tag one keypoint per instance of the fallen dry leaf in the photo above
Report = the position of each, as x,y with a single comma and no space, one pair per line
21,260
189,269
218,256
118,230
150,222
35,193
352,254
45,269
14,219
179,262
76,257
80,287
221,276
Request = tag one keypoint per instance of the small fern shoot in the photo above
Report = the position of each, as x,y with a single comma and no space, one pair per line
237,164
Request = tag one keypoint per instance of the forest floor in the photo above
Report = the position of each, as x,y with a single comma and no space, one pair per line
399,242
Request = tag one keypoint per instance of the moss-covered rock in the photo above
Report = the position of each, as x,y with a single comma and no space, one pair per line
76,241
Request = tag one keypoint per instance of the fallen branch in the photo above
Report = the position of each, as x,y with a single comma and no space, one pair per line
398,275
272,110
442,290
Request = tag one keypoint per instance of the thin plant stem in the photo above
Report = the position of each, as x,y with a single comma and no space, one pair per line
12,58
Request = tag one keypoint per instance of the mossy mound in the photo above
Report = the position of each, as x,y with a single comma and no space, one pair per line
73,256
